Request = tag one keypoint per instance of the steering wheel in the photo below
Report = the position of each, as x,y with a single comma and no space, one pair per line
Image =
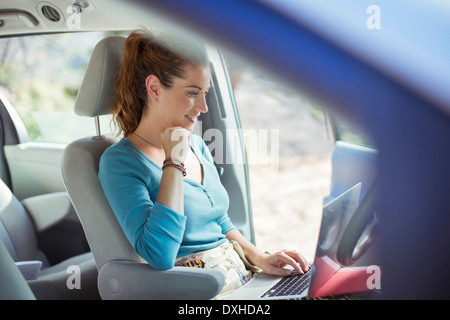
361,230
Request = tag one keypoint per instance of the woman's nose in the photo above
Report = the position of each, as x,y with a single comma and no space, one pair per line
203,107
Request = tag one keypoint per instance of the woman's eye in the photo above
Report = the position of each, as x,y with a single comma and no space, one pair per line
193,93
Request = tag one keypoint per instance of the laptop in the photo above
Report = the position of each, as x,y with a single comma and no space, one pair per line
335,216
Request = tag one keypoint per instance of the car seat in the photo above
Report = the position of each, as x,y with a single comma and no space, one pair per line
122,273
18,234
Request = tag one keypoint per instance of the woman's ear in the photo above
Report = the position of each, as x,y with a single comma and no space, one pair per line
153,86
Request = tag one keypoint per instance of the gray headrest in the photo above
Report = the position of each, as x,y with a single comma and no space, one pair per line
96,91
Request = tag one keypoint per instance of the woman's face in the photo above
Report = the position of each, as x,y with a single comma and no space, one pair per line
181,104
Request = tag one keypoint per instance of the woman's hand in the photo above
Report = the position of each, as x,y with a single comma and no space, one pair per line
270,263
176,143
274,263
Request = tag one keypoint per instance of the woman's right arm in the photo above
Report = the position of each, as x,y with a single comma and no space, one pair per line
171,191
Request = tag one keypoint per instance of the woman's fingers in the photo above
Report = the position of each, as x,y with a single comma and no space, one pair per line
284,258
298,257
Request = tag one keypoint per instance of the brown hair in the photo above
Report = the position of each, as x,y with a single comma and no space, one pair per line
144,55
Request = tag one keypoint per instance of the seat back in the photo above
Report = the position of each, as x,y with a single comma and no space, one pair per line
81,159
103,232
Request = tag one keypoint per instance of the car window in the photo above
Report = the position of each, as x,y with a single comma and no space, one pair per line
347,131
40,76
289,156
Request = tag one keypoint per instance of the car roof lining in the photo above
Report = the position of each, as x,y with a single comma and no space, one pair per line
99,16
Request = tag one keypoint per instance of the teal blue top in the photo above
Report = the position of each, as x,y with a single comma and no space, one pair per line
131,182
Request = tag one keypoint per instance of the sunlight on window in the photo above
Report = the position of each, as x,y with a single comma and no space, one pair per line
286,200
44,93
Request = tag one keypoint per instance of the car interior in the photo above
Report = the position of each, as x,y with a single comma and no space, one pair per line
67,220
53,213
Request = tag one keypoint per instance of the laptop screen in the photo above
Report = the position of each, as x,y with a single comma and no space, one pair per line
329,277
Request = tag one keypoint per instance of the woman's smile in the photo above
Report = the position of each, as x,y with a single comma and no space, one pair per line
192,119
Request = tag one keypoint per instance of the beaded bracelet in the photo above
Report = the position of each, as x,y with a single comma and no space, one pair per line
175,164
170,160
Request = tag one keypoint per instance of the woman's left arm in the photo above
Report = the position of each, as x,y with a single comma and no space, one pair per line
270,263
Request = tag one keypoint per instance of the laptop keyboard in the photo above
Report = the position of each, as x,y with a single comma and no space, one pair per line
289,285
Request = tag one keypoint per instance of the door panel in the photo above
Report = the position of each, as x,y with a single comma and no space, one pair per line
35,168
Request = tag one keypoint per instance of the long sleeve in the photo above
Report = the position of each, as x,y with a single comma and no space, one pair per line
226,224
154,230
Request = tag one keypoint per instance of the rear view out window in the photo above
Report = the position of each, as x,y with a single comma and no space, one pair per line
40,76
350,132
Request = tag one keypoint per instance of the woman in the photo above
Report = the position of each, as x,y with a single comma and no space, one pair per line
160,178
